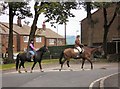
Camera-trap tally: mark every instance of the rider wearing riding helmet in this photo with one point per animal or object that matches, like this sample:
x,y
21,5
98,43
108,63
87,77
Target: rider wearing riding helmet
x,y
32,49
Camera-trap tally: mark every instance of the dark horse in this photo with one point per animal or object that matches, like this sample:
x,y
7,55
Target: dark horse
x,y
69,53
22,57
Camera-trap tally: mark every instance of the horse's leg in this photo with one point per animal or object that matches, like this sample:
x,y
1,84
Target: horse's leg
x,y
20,67
33,66
83,61
40,66
62,64
69,66
90,63
24,67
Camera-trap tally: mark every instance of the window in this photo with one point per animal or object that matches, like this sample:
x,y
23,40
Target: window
x,y
51,41
38,39
26,38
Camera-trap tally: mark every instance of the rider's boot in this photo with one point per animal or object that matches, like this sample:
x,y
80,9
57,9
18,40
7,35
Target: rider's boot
x,y
32,57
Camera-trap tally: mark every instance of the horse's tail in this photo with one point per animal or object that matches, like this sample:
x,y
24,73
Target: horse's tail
x,y
17,61
61,56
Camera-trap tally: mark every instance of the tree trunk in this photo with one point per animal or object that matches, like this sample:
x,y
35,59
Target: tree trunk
x,y
10,41
90,24
105,41
106,29
33,29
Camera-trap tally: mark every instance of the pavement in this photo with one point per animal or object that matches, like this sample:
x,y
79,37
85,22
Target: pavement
x,y
110,81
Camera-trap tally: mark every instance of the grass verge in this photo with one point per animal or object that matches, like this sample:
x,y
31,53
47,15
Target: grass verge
x,y
27,64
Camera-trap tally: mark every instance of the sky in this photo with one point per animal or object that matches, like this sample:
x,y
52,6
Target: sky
x,y
73,27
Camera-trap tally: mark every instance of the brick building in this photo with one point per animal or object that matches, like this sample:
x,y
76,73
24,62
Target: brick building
x,y
98,30
21,36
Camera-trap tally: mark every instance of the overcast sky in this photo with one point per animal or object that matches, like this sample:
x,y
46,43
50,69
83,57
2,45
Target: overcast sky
x,y
73,26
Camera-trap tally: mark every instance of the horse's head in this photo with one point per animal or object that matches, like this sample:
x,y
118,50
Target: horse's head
x,y
43,49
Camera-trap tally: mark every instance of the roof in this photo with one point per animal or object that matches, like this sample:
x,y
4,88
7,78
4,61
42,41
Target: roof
x,y
48,33
25,30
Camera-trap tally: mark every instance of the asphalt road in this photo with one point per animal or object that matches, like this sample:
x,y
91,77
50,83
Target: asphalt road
x,y
54,78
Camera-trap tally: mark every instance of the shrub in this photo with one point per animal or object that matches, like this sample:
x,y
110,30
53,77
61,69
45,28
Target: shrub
x,y
8,61
113,57
55,51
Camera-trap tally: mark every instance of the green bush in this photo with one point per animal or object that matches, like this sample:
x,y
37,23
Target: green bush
x,y
8,61
113,58
55,51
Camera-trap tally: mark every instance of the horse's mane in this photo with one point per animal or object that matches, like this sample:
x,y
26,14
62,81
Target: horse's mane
x,y
40,49
91,46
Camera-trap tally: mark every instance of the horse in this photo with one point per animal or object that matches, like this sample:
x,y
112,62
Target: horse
x,y
69,53
25,56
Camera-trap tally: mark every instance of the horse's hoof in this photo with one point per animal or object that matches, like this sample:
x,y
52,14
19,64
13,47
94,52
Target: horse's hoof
x,y
70,69
82,69
19,72
42,71
25,70
59,69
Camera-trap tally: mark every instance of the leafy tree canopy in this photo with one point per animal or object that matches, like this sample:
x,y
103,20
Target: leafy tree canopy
x,y
21,9
58,12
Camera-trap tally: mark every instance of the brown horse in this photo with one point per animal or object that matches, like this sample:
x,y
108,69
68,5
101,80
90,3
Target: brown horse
x,y
69,53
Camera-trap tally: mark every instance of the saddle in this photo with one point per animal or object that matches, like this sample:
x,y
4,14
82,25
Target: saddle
x,y
28,55
79,52
76,50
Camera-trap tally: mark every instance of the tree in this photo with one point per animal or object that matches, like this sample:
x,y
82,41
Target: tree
x,y
15,8
90,23
107,23
38,11
52,11
59,13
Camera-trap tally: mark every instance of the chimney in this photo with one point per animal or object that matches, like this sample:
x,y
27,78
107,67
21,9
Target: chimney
x,y
44,26
19,22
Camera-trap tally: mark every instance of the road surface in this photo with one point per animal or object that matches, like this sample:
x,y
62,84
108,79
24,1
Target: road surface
x,y
51,77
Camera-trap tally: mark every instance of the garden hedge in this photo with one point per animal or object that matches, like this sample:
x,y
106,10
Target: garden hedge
x,y
55,51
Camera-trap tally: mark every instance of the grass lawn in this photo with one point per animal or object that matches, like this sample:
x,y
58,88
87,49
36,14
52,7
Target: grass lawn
x,y
27,64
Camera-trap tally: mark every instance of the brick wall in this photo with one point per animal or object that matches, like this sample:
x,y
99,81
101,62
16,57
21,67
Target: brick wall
x,y
20,45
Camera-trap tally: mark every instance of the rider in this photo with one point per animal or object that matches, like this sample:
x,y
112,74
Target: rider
x,y
32,49
78,45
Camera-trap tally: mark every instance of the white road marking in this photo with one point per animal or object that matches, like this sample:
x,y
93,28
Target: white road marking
x,y
101,81
104,78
